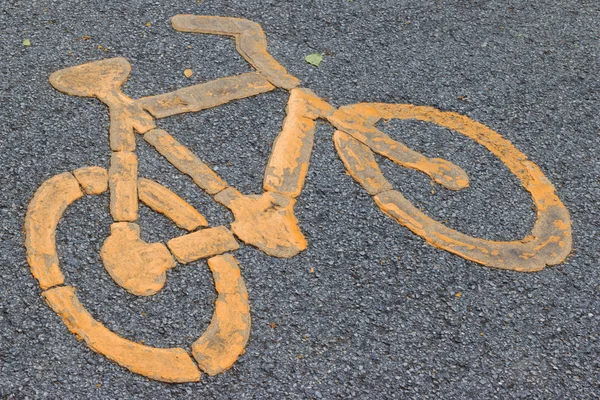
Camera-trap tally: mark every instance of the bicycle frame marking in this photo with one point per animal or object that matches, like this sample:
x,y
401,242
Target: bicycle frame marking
x,y
265,221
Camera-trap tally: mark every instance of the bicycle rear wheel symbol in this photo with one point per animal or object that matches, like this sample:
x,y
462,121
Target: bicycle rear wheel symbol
x,y
265,221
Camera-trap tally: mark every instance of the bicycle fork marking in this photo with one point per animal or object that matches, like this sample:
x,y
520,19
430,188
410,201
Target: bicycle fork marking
x,y
265,221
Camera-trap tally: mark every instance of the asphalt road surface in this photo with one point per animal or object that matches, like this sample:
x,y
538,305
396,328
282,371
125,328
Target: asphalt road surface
x,y
382,314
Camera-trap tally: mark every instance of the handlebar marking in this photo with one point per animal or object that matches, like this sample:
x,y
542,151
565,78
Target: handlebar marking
x,y
250,39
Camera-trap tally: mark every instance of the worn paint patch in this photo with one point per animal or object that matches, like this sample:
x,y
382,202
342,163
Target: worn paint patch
x,y
225,339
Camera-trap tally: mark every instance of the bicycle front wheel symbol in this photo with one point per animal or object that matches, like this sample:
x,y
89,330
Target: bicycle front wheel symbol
x,y
550,239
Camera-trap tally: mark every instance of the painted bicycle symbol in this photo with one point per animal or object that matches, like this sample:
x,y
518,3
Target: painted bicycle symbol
x,y
265,221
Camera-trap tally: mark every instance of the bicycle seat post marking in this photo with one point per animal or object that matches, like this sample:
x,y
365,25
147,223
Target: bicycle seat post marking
x,y
266,220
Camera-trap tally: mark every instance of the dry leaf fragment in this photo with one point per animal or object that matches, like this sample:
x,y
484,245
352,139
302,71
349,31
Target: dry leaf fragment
x,y
314,59
188,73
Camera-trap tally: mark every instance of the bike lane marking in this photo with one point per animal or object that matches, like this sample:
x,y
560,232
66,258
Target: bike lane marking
x,y
266,221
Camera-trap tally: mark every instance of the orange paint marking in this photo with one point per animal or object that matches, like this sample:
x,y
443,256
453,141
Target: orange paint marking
x,y
43,213
165,202
122,180
136,266
224,340
250,40
288,164
93,180
168,365
532,253
202,244
266,220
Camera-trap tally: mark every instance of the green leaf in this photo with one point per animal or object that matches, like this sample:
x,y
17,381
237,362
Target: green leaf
x,y
26,42
314,59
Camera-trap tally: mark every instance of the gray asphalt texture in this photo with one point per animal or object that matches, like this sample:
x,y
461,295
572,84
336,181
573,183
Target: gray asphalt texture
x,y
379,316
